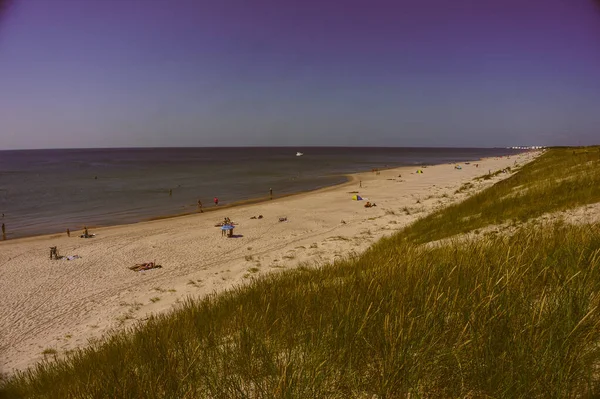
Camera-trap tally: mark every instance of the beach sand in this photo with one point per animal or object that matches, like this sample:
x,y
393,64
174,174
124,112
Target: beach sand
x,y
62,304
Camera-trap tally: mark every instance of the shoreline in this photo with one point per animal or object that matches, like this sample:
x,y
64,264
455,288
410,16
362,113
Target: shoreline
x,y
237,204
350,178
253,201
61,305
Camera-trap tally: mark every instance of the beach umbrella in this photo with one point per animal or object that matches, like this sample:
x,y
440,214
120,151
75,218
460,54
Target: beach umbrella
x,y
227,227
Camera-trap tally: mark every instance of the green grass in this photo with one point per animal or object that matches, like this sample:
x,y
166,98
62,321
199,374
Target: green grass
x,y
504,316
555,181
480,318
465,187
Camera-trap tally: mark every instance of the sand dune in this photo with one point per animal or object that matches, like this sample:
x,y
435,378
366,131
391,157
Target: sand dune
x,y
61,304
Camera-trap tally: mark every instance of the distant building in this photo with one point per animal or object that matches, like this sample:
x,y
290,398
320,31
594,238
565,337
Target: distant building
x,y
531,147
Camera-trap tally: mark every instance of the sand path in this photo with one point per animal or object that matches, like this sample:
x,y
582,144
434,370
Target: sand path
x,y
63,304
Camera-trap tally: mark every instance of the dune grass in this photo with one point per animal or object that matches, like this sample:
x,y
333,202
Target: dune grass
x,y
503,317
559,179
510,317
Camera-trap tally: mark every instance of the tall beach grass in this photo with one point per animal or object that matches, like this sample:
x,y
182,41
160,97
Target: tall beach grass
x,y
559,179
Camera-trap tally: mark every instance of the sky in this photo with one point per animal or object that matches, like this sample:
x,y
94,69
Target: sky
x,y
154,73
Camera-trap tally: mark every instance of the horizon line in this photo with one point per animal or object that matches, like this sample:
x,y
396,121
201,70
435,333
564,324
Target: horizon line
x,y
262,146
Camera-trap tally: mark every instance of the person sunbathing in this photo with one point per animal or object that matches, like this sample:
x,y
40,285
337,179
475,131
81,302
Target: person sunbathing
x,y
145,266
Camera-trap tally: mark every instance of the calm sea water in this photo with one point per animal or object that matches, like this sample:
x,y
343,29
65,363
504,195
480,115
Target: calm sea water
x,y
46,191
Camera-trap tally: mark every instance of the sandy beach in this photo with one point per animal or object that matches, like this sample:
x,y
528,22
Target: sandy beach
x,y
62,304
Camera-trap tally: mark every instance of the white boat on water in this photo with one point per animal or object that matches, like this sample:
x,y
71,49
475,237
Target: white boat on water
x,y
299,154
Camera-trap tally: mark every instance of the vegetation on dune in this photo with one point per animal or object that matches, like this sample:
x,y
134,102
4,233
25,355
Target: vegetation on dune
x,y
480,318
504,317
559,179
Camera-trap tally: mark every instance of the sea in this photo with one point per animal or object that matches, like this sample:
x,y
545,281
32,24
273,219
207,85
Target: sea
x,y
48,191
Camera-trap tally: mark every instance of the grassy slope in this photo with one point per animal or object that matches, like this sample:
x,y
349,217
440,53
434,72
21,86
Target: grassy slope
x,y
503,317
560,179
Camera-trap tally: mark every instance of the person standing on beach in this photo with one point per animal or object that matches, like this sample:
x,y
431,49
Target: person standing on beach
x,y
3,231
216,201
170,192
68,233
360,183
200,206
271,193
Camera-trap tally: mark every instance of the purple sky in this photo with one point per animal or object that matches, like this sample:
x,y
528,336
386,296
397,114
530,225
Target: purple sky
x,y
131,73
